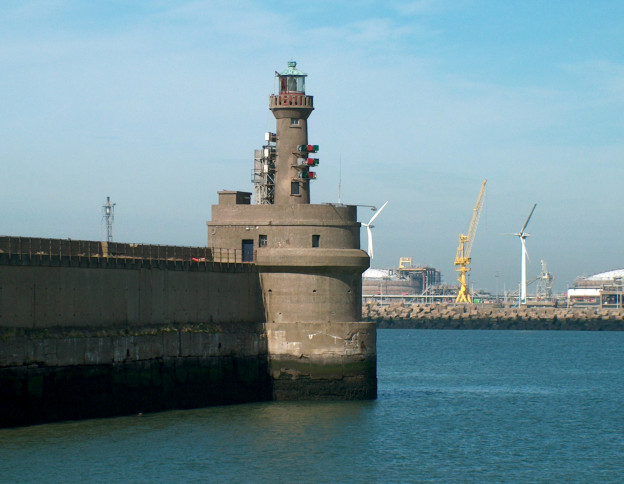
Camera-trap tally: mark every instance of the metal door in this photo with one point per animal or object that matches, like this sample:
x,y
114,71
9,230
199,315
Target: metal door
x,y
248,250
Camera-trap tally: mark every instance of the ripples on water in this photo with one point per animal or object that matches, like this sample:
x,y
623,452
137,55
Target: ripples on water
x,y
497,406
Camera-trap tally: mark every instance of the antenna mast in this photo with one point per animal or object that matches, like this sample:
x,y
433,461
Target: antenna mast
x,y
108,215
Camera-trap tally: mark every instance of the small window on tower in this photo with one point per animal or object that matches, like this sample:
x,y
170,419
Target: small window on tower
x,y
294,188
294,121
262,241
316,241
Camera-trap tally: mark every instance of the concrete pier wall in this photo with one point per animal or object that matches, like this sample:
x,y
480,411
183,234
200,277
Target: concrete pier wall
x,y
100,336
39,296
75,373
85,335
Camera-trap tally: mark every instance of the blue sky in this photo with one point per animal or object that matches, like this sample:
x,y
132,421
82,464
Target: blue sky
x,y
160,104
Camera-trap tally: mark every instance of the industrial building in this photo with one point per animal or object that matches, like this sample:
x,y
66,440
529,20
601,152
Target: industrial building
x,y
406,280
601,290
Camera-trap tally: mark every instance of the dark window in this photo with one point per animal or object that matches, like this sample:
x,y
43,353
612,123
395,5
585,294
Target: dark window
x,y
316,241
294,121
248,250
294,188
262,241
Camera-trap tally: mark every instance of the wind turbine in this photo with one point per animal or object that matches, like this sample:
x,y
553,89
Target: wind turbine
x,y
369,226
523,235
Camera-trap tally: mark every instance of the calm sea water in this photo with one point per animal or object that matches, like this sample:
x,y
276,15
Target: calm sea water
x,y
470,406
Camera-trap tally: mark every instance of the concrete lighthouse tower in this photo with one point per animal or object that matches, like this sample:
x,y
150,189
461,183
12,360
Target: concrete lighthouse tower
x,y
291,108
308,262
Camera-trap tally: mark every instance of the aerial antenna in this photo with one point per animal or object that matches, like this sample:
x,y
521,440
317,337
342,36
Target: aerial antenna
x,y
108,215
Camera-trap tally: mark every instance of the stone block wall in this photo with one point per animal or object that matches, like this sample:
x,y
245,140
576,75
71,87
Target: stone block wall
x,y
488,316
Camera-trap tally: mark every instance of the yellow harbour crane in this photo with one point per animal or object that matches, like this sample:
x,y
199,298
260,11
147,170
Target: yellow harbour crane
x,y
462,260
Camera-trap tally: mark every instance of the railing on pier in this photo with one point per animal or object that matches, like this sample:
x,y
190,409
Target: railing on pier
x,y
32,247
385,299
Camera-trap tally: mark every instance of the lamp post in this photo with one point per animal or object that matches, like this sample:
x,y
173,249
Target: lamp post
x,y
496,276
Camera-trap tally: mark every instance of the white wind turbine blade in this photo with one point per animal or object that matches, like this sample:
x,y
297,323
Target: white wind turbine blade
x,y
377,213
527,220
526,252
369,231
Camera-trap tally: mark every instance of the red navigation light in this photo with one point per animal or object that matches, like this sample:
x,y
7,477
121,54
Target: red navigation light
x,y
308,148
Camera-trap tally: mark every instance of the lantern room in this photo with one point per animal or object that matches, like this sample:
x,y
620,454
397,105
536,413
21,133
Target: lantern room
x,y
292,80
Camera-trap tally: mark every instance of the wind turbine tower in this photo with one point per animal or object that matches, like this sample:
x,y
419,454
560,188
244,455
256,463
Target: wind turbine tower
x,y
523,235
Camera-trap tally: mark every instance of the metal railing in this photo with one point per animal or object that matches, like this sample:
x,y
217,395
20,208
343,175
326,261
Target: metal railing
x,y
68,248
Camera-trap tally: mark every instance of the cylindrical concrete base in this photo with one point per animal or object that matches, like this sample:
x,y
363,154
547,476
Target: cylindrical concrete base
x,y
322,361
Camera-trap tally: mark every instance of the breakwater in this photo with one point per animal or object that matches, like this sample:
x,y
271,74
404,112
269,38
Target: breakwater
x,y
96,330
488,316
89,330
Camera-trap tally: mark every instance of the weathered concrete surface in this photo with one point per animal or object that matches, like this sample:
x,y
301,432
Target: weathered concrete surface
x,y
285,108
322,360
35,296
115,339
483,316
285,226
312,295
61,374
318,349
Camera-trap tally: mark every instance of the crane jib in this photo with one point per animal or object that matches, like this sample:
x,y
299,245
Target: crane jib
x,y
462,260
